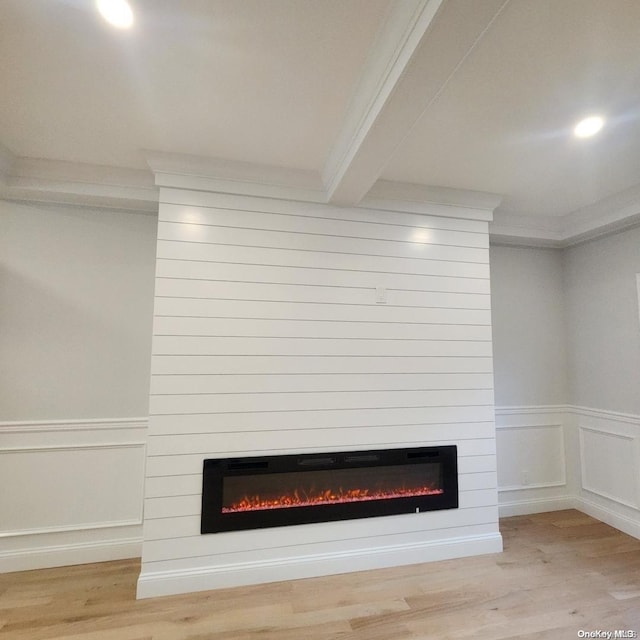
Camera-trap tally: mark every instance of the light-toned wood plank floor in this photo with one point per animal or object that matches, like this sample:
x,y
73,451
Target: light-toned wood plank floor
x,y
561,572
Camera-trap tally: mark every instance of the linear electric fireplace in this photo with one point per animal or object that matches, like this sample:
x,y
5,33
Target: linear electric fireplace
x,y
272,491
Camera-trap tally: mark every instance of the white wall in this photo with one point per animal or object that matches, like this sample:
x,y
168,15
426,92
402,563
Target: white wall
x,y
71,391
527,310
268,339
603,340
603,334
530,364
574,445
76,293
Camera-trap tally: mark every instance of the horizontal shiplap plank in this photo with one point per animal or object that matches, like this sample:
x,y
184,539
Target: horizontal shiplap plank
x,y
242,384
315,364
293,256
272,328
171,527
412,422
486,526
318,276
218,217
291,310
477,464
197,202
304,401
215,290
479,480
177,444
422,526
244,346
247,238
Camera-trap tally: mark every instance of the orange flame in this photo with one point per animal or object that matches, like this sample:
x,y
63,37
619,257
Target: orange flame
x,y
329,496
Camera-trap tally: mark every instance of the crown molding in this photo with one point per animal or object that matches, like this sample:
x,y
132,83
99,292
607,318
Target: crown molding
x,y
56,181
525,230
228,176
216,175
79,184
609,215
437,201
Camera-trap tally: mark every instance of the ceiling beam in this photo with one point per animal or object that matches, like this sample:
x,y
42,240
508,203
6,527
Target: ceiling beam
x,y
410,64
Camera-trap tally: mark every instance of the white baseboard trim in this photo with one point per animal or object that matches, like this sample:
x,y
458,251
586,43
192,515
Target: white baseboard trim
x,y
163,583
627,525
537,505
69,554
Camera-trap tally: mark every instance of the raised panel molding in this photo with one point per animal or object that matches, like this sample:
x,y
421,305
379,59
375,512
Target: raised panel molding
x,y
71,534
613,473
522,429
72,544
599,496
551,494
581,490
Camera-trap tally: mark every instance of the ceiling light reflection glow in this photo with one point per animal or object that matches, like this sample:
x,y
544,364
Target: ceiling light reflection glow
x,y
116,12
588,127
421,235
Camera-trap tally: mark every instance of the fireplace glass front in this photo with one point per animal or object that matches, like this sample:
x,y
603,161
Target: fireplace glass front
x,y
258,492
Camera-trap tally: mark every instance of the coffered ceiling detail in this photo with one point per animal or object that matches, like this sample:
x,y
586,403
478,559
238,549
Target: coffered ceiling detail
x,y
339,101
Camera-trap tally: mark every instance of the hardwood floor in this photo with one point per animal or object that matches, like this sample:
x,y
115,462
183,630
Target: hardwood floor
x,y
560,573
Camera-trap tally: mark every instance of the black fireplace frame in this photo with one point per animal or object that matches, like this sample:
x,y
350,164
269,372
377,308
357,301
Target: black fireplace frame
x,y
213,520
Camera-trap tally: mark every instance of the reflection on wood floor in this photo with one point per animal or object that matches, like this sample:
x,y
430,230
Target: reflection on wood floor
x,y
560,573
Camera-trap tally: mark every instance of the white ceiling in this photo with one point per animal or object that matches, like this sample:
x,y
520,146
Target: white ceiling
x,y
473,95
503,123
258,80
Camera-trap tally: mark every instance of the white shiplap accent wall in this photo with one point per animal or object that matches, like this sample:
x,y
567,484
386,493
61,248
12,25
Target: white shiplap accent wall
x,y
268,339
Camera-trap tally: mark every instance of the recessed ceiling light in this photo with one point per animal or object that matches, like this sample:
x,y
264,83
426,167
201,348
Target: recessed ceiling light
x,y
588,127
116,12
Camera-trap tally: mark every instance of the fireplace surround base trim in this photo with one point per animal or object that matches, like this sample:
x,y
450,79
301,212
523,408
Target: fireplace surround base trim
x,y
162,583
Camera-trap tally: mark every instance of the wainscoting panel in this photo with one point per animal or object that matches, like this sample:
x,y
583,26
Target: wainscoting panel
x,y
607,446
532,474
73,491
609,465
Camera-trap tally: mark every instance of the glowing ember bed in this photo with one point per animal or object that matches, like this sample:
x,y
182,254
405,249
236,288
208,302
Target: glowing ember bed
x,y
271,491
